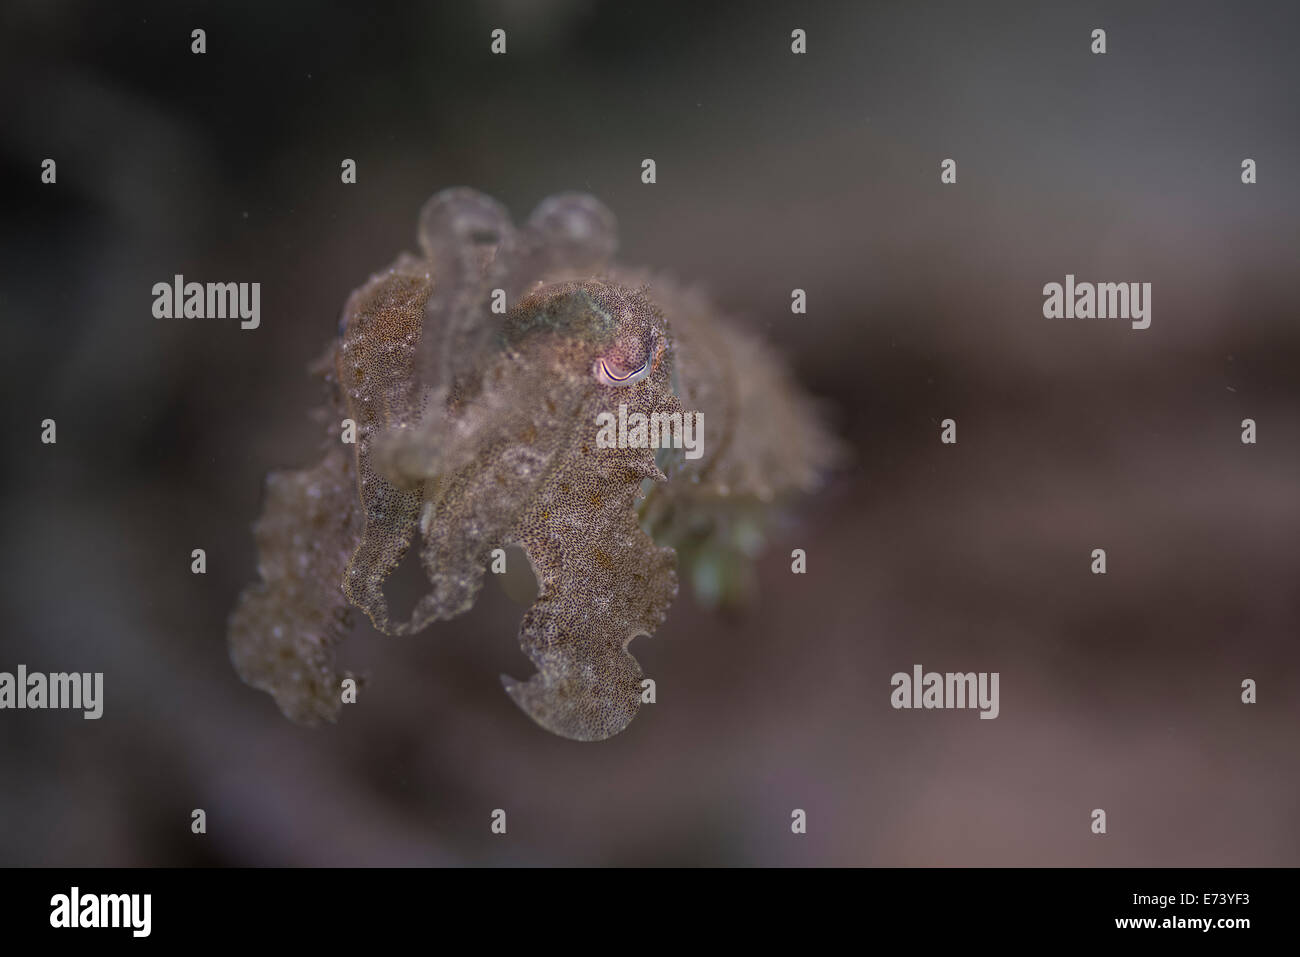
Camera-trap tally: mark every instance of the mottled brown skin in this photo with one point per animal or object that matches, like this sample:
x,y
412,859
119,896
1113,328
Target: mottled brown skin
x,y
374,362
479,431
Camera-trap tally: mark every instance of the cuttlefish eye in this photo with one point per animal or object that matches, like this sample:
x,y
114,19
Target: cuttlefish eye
x,y
614,370
609,373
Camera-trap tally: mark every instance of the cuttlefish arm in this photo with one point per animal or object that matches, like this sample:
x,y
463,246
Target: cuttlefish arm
x,y
601,582
285,630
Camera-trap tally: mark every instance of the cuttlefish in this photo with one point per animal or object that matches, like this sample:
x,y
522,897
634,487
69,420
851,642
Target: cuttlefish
x,y
466,387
